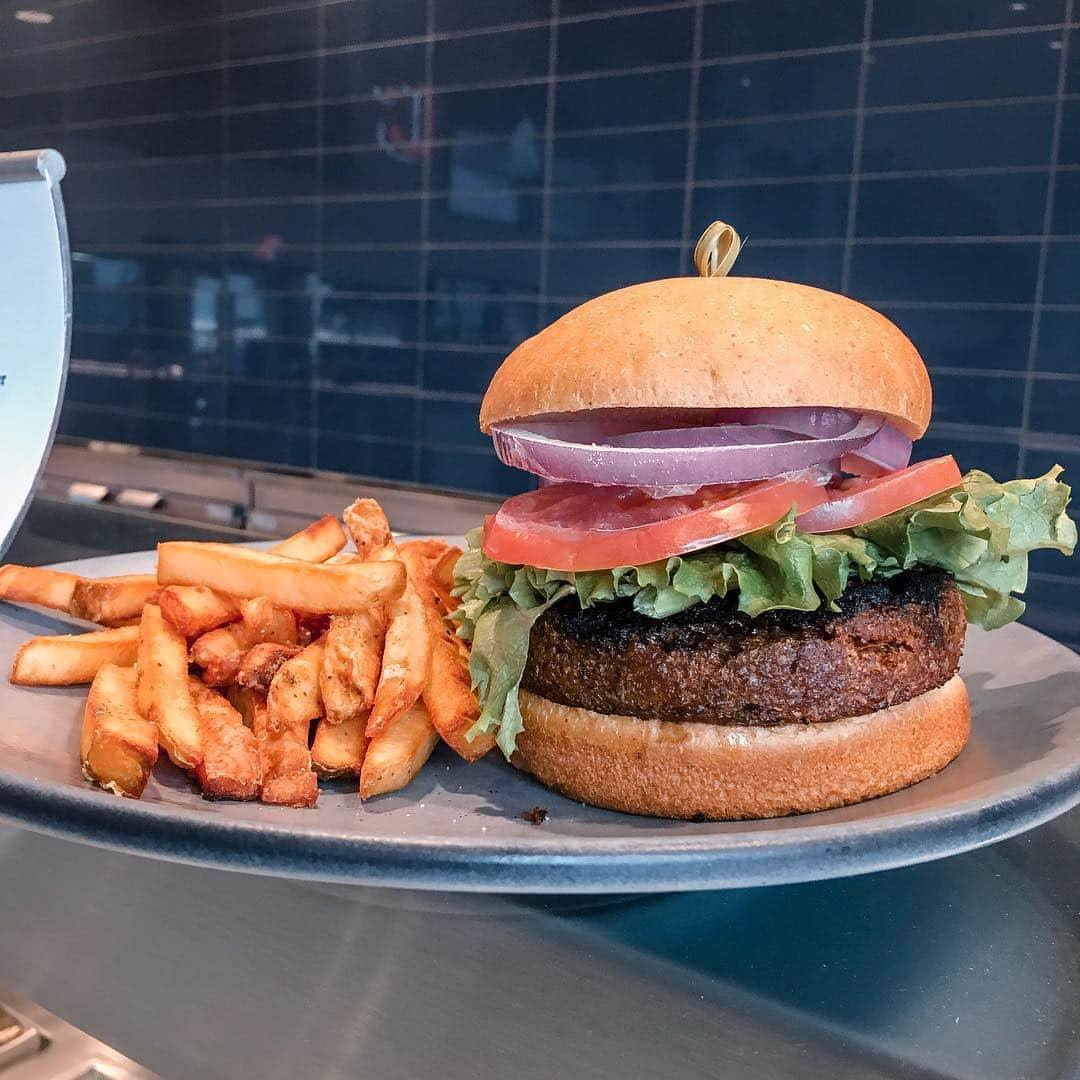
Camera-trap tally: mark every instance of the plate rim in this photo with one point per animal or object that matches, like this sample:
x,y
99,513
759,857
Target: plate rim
x,y
539,864
678,864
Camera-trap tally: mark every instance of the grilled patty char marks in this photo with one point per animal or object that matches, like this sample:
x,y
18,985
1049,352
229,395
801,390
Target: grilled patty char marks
x,y
891,641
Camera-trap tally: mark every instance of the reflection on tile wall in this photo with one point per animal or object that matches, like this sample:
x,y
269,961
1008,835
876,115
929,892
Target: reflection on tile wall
x,y
307,233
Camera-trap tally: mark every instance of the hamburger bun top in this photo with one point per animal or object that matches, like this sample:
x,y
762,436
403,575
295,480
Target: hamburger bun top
x,y
711,343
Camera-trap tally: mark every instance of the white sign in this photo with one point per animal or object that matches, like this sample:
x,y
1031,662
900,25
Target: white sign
x,y
35,323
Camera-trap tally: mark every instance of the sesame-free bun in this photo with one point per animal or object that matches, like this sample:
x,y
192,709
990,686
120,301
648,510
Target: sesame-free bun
x,y
717,771
711,343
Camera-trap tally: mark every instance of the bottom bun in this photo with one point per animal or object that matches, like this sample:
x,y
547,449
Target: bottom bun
x,y
722,772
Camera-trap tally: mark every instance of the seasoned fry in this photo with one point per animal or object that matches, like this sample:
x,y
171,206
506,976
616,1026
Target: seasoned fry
x,y
73,658
245,701
230,768
267,621
288,779
119,746
299,585
291,705
442,578
367,526
34,585
294,693
164,692
338,749
405,662
395,756
318,542
112,601
433,561
448,694
350,673
195,610
221,652
424,552
258,668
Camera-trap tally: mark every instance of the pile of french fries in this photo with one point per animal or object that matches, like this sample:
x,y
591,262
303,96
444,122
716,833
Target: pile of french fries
x,y
258,672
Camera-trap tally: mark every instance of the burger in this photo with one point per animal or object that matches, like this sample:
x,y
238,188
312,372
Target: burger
x,y
732,595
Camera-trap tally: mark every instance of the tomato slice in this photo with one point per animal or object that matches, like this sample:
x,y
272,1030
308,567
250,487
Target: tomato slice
x,y
582,527
857,501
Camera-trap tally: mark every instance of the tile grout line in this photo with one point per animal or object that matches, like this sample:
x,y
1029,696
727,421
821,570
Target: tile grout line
x,y
406,40
857,148
572,76
530,298
359,195
1044,243
549,164
227,309
424,253
510,84
315,352
692,134
101,247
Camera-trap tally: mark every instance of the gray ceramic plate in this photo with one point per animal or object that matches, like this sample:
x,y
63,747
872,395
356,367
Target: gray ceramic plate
x,y
459,826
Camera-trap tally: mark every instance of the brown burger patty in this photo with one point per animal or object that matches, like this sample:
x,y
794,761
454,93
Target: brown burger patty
x,y
891,641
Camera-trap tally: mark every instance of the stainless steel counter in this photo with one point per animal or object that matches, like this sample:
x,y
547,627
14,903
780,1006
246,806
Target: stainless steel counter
x,y
968,967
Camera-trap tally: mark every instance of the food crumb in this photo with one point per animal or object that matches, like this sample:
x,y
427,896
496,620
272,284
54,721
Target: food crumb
x,y
536,816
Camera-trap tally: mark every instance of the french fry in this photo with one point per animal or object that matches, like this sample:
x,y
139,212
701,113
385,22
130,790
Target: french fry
x,y
245,701
35,585
315,587
196,610
338,749
448,694
397,754
367,526
350,672
288,779
221,652
267,621
442,578
317,543
282,731
294,693
434,562
230,767
164,694
112,601
73,658
118,746
405,662
426,552
258,668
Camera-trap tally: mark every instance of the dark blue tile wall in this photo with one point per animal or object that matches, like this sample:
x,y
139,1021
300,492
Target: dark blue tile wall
x,y
307,233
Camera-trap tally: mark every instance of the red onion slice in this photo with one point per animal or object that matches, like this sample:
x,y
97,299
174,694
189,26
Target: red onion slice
x,y
678,459
888,451
715,435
